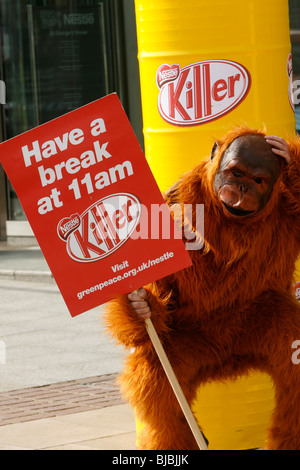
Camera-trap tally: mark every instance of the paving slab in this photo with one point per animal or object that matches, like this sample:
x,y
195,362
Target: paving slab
x,y
103,429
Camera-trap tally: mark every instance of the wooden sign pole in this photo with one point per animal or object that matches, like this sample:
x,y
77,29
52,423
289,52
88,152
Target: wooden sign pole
x,y
175,385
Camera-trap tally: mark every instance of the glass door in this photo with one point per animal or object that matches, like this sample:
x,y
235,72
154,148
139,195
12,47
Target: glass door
x,y
57,55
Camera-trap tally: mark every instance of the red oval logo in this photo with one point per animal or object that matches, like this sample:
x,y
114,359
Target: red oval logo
x,y
104,227
201,92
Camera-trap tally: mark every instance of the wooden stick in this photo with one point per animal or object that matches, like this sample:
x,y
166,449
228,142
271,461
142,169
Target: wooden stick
x,y
175,385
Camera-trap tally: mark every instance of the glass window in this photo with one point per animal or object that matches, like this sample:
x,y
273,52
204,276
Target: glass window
x,y
294,7
56,57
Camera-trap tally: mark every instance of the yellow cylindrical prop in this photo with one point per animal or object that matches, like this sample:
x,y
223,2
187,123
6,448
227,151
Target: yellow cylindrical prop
x,y
233,416
206,67
297,274
215,35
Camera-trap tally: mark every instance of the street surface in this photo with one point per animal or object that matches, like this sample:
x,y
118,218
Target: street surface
x,y
43,344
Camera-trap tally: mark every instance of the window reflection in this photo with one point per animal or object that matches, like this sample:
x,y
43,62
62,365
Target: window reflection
x,y
56,57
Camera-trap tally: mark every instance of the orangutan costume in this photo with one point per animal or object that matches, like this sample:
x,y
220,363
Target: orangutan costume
x,y
234,310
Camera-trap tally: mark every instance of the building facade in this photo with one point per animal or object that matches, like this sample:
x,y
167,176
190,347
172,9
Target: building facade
x,y
55,56
58,55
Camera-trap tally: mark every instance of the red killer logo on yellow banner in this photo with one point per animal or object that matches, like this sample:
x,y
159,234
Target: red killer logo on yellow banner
x,y
89,195
200,92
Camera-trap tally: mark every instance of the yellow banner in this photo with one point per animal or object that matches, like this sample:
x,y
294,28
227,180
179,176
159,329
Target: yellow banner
x,y
206,66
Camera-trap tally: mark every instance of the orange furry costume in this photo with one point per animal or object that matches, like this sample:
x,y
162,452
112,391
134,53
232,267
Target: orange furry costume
x,y
231,312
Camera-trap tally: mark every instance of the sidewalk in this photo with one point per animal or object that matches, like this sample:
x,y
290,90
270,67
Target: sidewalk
x,y
81,414
23,263
87,414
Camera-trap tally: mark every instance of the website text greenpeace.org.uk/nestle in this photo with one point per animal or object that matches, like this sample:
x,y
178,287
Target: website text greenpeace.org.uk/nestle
x,y
131,272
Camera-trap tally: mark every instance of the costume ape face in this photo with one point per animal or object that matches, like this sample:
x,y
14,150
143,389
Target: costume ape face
x,y
234,309
246,176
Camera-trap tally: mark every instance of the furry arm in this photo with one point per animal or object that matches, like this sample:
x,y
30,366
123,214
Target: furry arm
x,y
124,325
291,173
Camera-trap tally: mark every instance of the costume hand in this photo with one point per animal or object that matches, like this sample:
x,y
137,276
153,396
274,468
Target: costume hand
x,y
279,147
138,300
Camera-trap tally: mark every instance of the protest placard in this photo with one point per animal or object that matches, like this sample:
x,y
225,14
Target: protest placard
x,y
93,204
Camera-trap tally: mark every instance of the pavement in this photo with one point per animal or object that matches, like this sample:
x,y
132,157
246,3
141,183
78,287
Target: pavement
x,y
68,410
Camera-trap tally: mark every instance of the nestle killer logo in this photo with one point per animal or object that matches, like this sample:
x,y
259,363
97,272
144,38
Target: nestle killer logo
x,y
200,92
2,92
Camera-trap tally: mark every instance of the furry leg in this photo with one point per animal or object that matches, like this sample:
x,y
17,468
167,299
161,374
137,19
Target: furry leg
x,y
146,386
275,327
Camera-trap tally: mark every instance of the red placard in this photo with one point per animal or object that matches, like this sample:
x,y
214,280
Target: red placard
x,y
93,204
